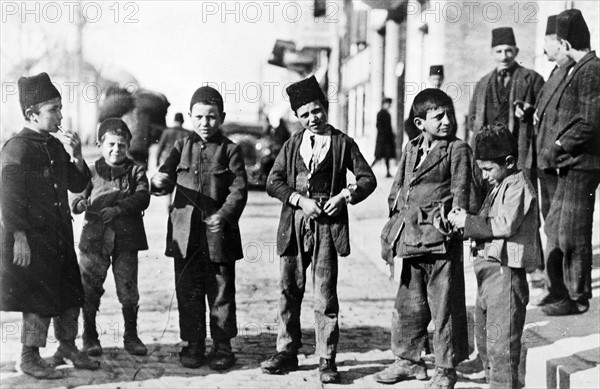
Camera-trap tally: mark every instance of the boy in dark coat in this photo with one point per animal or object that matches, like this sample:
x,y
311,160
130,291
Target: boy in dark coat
x,y
203,233
435,174
39,274
505,236
113,203
309,178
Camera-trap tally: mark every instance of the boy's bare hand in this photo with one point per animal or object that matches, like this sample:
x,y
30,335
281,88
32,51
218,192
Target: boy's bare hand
x,y
457,217
214,222
21,250
310,207
72,140
108,214
334,205
160,180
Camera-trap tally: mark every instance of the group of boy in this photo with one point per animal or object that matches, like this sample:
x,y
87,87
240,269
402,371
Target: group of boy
x,y
434,203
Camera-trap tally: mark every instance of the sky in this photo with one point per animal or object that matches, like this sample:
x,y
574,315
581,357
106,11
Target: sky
x,y
169,46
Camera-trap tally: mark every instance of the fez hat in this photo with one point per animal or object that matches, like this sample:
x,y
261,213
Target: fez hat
x,y
494,142
503,36
436,69
112,124
207,94
551,25
179,117
571,26
36,89
304,92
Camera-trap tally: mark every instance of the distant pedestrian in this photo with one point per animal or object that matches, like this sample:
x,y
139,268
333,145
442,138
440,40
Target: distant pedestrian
x,y
207,171
113,233
309,178
436,76
168,138
504,232
434,175
39,274
385,146
576,152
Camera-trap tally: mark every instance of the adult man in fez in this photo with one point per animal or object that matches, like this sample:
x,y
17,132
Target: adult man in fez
x,y
576,152
507,95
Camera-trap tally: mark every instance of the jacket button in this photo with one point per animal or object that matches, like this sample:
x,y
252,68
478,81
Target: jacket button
x,y
55,186
196,172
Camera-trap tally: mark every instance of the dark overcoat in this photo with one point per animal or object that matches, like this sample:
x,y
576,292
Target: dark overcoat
x,y
385,144
211,179
282,180
37,172
579,116
547,116
525,87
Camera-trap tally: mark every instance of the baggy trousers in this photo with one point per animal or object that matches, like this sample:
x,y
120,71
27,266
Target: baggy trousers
x,y
323,257
432,287
569,231
502,297
35,327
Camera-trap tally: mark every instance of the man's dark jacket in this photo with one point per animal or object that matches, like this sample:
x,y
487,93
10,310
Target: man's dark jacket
x,y
282,180
37,172
525,86
579,116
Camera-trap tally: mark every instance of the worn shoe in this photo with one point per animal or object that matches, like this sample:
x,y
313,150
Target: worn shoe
x,y
328,373
561,308
68,351
443,378
92,347
221,356
192,355
32,364
545,300
280,363
400,370
471,367
583,305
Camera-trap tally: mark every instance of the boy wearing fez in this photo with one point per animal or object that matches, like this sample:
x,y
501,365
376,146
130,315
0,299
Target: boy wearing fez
x,y
113,203
434,175
504,233
39,274
203,233
309,178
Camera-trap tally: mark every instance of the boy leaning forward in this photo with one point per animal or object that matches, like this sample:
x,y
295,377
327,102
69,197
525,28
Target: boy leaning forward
x,y
309,178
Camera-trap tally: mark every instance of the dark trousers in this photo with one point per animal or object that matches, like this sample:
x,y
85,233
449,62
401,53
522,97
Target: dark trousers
x,y
502,297
198,280
94,269
322,255
35,327
569,231
548,182
432,287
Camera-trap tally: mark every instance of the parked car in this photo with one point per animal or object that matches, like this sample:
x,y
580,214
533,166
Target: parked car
x,y
257,150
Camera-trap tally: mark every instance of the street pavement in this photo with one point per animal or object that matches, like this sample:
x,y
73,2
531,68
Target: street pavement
x,y
366,298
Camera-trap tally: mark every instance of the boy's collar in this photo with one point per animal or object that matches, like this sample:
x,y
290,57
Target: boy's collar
x,y
216,138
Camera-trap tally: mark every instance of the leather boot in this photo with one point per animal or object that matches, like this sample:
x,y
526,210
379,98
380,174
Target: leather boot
x,y
91,344
68,351
133,344
32,364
